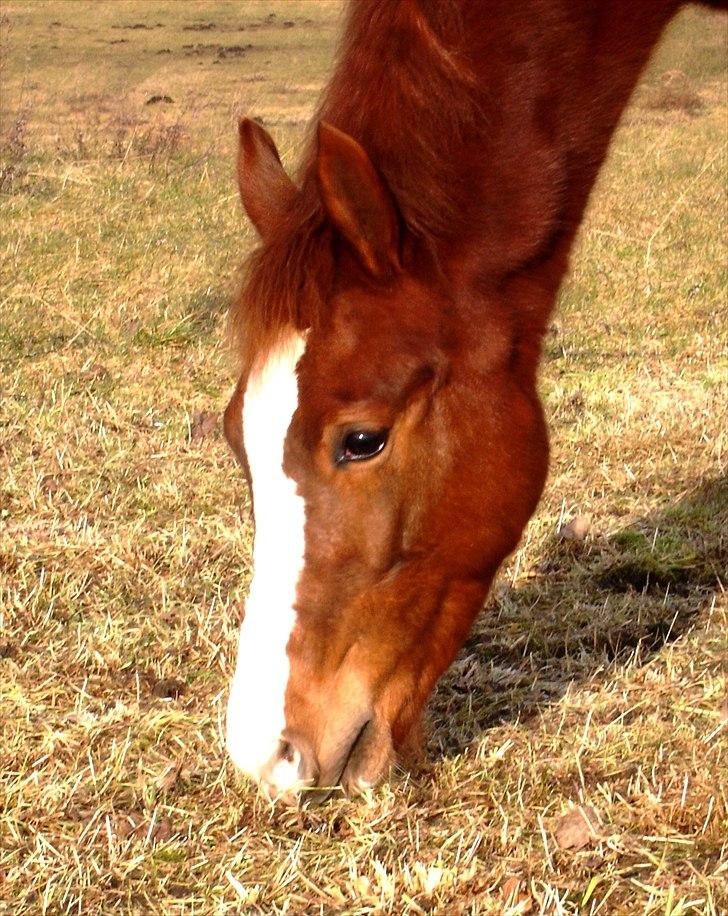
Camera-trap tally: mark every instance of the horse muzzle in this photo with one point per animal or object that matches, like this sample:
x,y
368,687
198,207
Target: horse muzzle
x,y
293,773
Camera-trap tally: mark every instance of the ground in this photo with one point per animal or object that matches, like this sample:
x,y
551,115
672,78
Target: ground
x,y
595,681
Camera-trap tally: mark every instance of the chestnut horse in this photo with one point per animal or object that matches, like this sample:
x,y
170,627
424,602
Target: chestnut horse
x,y
389,329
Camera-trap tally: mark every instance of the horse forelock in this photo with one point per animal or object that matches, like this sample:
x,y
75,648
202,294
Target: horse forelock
x,y
286,283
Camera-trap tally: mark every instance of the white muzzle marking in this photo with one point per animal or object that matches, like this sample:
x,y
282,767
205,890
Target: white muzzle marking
x,y
256,716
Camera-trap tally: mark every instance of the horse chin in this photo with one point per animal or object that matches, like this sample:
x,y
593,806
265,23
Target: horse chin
x,y
370,758
362,766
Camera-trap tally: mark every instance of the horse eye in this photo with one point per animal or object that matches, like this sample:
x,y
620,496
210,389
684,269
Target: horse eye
x,y
360,444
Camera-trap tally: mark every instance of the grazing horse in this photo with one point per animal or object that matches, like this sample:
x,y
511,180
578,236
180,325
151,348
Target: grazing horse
x,y
389,330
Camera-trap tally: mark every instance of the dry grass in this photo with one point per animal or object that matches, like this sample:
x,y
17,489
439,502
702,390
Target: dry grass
x,y
596,677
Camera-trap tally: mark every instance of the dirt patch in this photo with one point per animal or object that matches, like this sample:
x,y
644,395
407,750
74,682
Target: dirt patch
x,y
271,22
203,425
674,92
220,51
168,689
140,26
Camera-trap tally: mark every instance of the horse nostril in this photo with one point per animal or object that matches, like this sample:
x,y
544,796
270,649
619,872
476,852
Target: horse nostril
x,y
294,762
291,768
288,753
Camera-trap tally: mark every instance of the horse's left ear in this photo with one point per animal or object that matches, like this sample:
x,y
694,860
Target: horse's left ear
x,y
265,188
357,201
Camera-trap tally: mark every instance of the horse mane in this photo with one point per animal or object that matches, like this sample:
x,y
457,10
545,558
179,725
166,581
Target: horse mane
x,y
405,89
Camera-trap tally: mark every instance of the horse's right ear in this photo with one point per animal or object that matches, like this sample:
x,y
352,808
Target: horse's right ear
x,y
357,201
265,188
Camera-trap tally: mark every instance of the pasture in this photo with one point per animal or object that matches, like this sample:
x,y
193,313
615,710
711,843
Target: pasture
x,y
577,749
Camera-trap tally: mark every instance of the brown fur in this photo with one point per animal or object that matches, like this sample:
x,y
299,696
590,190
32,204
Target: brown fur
x,y
473,130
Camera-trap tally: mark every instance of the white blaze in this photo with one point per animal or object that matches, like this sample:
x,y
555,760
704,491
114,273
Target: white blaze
x,y
256,716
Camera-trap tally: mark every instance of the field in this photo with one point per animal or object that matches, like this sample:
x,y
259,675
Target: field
x,y
596,679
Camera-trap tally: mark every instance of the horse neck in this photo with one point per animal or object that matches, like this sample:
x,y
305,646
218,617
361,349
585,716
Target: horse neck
x,y
490,121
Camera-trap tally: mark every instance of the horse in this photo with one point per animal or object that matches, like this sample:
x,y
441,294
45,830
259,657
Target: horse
x,y
389,331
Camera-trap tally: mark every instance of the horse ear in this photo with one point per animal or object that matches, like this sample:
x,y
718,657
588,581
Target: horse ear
x,y
265,188
357,201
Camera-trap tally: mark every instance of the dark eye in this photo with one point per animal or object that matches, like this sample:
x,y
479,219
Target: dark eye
x,y
360,444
